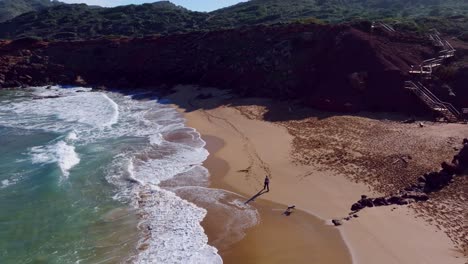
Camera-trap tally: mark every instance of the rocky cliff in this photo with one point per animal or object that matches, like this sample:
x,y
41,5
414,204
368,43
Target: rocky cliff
x,y
342,68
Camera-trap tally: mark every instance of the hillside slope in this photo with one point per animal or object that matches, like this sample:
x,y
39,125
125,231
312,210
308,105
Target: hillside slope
x,y
84,22
12,8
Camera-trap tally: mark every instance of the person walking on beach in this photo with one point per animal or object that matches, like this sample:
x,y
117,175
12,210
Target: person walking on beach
x,y
267,184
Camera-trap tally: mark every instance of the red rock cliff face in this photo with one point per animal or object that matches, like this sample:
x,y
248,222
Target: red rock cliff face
x,y
329,67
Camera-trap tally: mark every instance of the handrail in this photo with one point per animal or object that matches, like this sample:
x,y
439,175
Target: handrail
x,y
429,60
437,100
435,31
425,67
421,90
447,52
438,41
449,45
429,63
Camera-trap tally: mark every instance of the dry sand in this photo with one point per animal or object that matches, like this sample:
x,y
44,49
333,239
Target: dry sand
x,y
322,169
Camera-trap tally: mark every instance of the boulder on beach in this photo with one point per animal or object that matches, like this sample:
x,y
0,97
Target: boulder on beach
x,y
357,207
381,201
337,222
436,180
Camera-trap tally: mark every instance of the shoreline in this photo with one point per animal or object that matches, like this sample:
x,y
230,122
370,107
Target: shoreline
x,y
271,217
266,147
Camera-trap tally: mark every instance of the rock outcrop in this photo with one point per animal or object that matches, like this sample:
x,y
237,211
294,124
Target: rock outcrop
x,y
339,68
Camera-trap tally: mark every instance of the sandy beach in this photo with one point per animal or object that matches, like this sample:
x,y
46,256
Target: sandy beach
x,y
322,182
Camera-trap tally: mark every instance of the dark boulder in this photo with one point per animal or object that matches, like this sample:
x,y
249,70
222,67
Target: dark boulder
x,y
357,207
437,180
337,222
396,199
367,202
381,201
449,168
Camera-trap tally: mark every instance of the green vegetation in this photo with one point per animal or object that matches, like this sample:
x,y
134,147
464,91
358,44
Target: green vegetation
x,y
449,16
81,21
12,8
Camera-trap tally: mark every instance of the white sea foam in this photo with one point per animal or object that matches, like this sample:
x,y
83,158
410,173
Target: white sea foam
x,y
166,161
236,215
72,136
130,172
67,158
177,236
94,109
14,179
56,91
114,116
61,153
84,112
5,183
156,139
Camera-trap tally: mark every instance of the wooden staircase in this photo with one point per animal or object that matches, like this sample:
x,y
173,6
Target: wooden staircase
x,y
447,51
447,110
425,68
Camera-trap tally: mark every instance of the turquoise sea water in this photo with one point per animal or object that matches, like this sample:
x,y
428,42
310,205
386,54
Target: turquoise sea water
x,y
45,218
80,175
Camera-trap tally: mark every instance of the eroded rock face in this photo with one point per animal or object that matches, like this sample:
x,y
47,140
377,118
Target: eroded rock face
x,y
338,68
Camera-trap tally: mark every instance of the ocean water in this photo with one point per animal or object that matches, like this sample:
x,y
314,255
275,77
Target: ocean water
x,y
98,177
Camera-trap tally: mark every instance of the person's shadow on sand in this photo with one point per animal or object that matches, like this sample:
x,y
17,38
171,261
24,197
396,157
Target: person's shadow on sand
x,y
261,192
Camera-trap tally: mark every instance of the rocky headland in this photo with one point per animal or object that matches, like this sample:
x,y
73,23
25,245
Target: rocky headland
x,y
331,67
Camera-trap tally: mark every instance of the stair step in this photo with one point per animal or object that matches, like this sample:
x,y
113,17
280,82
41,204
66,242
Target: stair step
x,y
432,102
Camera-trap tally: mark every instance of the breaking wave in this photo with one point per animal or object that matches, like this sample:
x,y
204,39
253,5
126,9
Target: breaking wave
x,y
61,153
